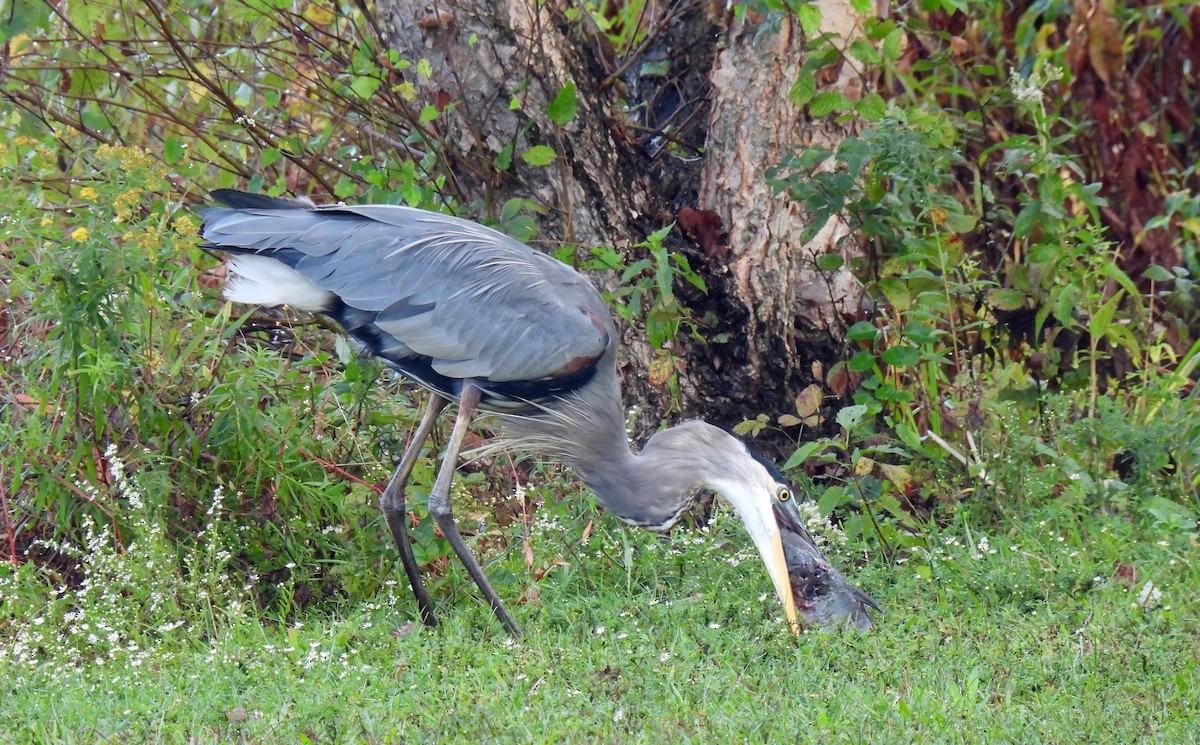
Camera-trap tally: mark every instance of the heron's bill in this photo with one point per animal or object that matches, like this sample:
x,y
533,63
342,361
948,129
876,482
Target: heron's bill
x,y
754,506
777,568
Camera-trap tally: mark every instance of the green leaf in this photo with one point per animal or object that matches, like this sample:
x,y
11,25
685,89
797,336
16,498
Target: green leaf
x,y
1156,273
539,155
861,362
1064,305
1112,271
862,7
902,356
503,159
511,209
18,17
269,156
344,188
1171,513
172,150
562,109
829,262
83,15
1006,299
1120,336
810,19
88,82
1023,225
896,291
862,331
865,52
961,223
803,453
919,333
365,86
909,436
1103,317
804,88
827,103
872,107
655,69
851,416
892,45
834,497
428,114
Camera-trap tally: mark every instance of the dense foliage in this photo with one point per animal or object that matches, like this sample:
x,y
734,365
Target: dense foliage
x,y
1030,355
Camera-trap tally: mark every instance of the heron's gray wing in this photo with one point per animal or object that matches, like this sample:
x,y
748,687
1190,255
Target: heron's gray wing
x,y
474,301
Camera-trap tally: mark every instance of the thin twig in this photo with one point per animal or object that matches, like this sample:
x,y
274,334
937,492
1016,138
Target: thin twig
x,y
953,451
8,529
330,466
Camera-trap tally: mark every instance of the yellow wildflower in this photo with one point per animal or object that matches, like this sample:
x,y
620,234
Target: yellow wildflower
x,y
185,226
125,204
88,193
79,234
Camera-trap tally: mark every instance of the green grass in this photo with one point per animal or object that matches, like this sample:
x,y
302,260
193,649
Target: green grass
x,y
1041,641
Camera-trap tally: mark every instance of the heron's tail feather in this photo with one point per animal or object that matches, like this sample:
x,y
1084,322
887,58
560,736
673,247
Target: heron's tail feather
x,y
259,271
257,279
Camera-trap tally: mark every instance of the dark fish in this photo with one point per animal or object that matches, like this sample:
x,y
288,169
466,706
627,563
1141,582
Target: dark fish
x,y
823,596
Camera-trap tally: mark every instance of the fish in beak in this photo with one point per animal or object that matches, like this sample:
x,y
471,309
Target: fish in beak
x,y
823,596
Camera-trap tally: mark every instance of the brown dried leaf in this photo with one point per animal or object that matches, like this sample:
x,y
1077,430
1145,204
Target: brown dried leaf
x,y
839,379
704,226
661,369
1105,48
809,401
864,466
1125,574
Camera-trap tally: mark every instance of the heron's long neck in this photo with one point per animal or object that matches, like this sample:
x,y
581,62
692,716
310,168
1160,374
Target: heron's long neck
x,y
587,433
634,487
637,490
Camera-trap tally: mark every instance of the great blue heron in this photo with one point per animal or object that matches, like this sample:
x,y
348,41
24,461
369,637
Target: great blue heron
x,y
477,317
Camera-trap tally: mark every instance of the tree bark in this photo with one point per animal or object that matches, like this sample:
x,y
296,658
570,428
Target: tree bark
x,y
792,316
622,172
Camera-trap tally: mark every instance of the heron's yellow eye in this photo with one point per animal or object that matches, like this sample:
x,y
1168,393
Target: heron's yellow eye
x,y
783,494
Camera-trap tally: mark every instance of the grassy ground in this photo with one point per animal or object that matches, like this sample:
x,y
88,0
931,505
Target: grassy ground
x,y
1035,635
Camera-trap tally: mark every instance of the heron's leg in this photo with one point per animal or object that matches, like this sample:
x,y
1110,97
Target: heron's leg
x,y
392,504
443,515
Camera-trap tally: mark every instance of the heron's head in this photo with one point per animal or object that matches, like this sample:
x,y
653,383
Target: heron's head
x,y
714,459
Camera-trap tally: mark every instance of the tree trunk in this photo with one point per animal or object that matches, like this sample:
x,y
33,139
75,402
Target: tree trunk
x,y
791,316
621,172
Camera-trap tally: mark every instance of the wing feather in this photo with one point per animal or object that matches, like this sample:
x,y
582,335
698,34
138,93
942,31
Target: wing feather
x,y
476,302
